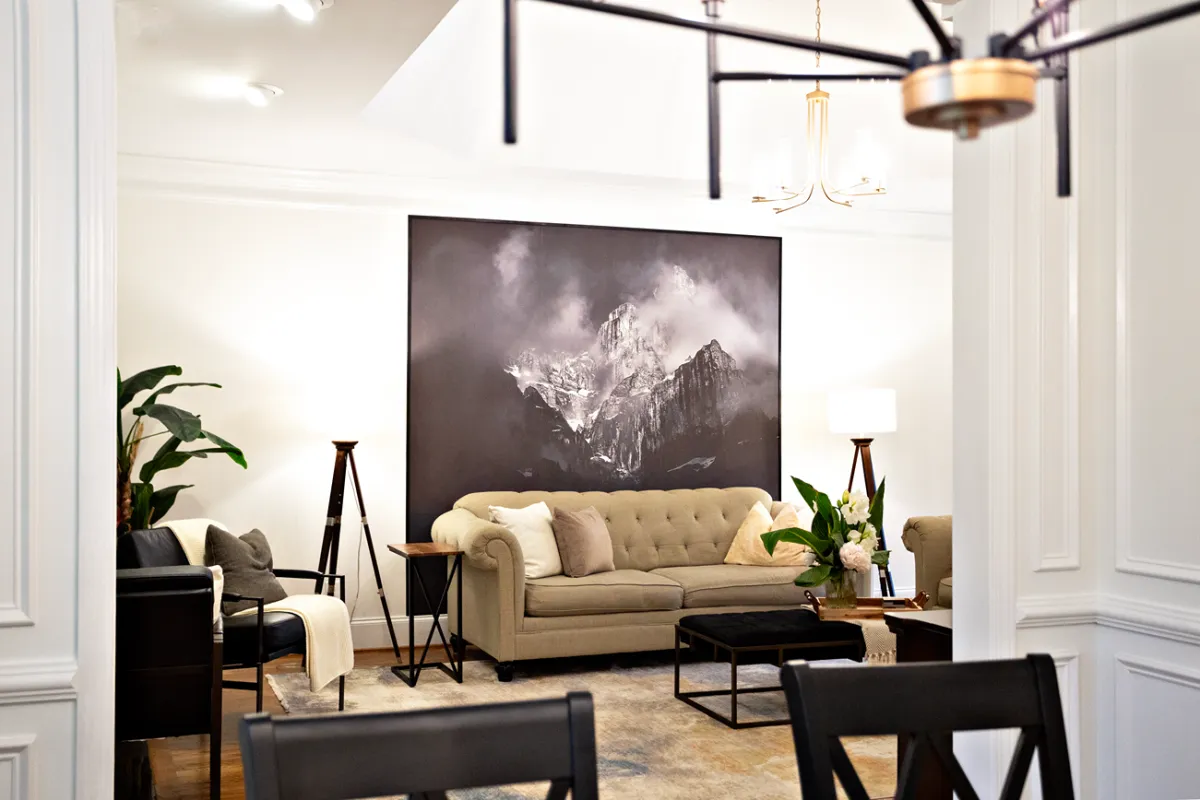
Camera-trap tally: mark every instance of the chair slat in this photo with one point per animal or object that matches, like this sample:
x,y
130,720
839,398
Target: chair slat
x,y
908,775
851,784
962,784
1018,768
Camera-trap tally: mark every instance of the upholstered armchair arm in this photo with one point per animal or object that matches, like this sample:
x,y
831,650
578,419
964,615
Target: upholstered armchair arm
x,y
493,580
474,536
929,539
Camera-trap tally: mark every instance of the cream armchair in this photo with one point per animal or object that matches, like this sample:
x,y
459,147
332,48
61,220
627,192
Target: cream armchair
x,y
928,538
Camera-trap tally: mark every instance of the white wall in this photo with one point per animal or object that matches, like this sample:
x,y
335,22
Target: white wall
x,y
1075,406
57,356
294,299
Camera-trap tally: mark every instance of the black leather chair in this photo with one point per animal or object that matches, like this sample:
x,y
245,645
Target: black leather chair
x,y
251,640
924,704
168,661
423,753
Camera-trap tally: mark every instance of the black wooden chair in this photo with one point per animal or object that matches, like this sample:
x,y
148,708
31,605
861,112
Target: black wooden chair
x,y
924,704
251,640
423,753
168,661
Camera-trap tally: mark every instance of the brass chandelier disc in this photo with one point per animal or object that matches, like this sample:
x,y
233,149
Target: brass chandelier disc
x,y
968,95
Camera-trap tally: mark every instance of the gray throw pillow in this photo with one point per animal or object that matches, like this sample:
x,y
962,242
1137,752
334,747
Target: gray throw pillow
x,y
583,542
246,562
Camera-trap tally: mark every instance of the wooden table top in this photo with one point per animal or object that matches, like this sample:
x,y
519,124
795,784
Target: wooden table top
x,y
423,550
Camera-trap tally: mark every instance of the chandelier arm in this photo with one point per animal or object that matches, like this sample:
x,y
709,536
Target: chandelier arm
x,y
510,71
1084,39
738,32
849,190
791,195
808,76
810,187
1059,71
949,50
825,191
1033,24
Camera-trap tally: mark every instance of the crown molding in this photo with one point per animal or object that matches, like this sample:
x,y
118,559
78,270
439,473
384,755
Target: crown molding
x,y
227,182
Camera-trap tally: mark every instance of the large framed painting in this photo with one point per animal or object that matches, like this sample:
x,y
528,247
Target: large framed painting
x,y
571,357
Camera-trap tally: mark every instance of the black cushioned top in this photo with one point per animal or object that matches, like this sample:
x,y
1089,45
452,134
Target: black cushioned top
x,y
281,631
771,628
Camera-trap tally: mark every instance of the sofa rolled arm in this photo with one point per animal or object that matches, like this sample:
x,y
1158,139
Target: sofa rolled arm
x,y
474,536
929,539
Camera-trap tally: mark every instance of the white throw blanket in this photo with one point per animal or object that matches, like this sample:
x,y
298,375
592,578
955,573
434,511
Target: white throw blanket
x,y
329,648
327,628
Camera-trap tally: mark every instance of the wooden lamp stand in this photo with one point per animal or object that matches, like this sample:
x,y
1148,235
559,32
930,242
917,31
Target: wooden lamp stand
x,y
862,451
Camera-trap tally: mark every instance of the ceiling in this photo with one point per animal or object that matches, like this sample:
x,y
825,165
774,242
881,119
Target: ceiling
x,y
406,87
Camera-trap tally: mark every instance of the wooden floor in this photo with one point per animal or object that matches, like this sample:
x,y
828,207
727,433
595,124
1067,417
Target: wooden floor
x,y
181,764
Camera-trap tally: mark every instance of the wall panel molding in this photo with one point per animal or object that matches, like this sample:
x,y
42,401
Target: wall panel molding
x,y
14,766
16,339
1128,667
1159,620
1127,560
37,681
1067,665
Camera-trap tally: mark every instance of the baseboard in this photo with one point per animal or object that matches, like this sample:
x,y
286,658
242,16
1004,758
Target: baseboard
x,y
371,633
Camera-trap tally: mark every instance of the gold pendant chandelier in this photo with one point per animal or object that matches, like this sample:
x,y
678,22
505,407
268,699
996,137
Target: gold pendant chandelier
x,y
818,157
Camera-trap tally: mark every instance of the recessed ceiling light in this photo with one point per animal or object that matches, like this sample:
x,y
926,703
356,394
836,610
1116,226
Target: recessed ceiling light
x,y
260,94
305,10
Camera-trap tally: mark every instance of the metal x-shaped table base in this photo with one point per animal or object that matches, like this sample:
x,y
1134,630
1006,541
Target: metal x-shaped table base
x,y
411,673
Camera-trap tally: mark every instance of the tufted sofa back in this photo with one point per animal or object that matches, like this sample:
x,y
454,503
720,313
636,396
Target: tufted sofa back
x,y
649,529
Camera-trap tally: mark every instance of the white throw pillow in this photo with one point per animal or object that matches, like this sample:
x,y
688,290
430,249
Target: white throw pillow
x,y
747,547
532,527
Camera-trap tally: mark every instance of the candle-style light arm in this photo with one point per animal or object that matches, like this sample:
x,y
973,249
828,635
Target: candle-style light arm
x,y
721,77
1076,41
1032,25
950,49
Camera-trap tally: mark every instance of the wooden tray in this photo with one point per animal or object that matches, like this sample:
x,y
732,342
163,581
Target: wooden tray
x,y
868,607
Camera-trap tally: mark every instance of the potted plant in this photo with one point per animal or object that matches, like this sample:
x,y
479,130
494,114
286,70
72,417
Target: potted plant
x,y
844,538
139,504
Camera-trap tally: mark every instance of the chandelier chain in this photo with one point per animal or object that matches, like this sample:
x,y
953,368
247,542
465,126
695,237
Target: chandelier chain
x,y
818,31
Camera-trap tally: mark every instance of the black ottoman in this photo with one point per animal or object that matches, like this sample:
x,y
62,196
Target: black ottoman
x,y
781,635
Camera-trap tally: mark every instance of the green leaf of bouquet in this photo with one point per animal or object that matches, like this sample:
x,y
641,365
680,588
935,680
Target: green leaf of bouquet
x,y
880,557
876,510
824,507
814,576
820,528
796,536
807,492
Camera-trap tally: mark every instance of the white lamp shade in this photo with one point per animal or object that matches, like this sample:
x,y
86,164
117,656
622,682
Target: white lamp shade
x,y
861,412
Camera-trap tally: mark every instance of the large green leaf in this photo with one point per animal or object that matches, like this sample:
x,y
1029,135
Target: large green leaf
x,y
771,539
234,451
140,494
183,424
807,492
876,510
820,528
824,507
146,379
170,387
839,539
167,461
162,500
814,576
880,557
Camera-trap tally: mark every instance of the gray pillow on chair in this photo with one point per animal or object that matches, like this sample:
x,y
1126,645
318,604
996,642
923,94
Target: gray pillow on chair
x,y
246,562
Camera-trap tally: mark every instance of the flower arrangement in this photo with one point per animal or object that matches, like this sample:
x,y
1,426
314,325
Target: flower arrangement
x,y
844,538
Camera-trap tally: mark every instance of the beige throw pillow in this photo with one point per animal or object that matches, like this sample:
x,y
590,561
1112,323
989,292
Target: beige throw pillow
x,y
583,542
531,527
748,547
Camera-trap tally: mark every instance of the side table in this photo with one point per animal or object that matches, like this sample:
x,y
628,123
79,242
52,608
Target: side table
x,y
925,636
411,553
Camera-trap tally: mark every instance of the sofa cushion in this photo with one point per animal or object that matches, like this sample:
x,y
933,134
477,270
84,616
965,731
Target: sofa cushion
x,y
583,542
649,529
736,585
601,593
945,597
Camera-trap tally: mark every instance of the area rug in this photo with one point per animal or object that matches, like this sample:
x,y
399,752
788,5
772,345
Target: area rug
x,y
649,744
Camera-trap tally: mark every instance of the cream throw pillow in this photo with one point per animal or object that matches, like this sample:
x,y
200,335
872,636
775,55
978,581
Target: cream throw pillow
x,y
531,526
748,548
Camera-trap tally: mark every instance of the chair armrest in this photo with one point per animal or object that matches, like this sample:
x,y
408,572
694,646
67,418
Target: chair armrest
x,y
929,539
144,580
462,529
315,575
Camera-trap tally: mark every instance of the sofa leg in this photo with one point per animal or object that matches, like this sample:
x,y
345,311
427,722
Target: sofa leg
x,y
504,671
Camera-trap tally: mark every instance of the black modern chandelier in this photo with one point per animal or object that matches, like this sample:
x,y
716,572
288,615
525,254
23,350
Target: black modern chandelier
x,y
954,93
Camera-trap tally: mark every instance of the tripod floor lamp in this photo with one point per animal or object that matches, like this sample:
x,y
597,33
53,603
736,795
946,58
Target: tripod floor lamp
x,y
862,413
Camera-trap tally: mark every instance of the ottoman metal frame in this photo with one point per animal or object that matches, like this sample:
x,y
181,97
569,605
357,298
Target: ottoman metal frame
x,y
732,692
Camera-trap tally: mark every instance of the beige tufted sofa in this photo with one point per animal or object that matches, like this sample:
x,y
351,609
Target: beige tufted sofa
x,y
929,539
668,549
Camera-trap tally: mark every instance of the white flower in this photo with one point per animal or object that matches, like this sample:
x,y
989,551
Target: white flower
x,y
857,509
855,535
870,530
855,558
